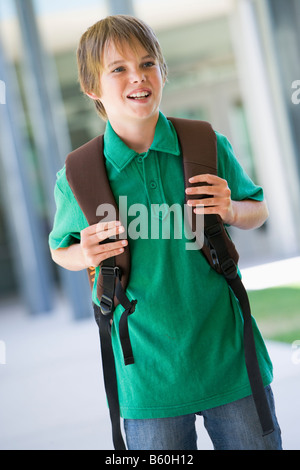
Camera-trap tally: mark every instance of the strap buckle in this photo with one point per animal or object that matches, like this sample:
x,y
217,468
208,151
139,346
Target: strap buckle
x,y
107,302
111,271
229,269
106,305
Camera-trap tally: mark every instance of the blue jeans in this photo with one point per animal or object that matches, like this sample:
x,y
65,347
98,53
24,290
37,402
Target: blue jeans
x,y
234,426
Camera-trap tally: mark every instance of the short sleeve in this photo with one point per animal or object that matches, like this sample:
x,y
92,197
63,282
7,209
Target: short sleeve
x,y
241,185
69,219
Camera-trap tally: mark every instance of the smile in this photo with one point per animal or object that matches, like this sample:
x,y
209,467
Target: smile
x,y
139,95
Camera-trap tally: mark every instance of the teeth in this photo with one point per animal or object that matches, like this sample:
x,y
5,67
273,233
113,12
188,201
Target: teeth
x,y
141,94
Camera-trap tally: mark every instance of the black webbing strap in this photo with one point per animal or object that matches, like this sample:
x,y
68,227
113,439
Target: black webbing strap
x,y
255,379
112,287
129,307
213,236
109,375
110,274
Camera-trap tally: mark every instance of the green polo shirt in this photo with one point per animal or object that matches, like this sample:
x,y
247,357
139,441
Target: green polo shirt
x,y
187,329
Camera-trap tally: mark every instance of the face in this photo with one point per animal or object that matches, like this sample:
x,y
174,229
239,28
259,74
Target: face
x,y
131,84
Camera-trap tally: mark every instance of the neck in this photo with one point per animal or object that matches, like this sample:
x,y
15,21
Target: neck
x,y
139,135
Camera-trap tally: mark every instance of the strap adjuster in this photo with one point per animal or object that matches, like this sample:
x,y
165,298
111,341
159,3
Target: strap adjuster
x,y
110,271
229,269
213,230
106,305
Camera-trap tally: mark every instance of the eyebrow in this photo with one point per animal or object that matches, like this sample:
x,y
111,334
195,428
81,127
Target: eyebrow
x,y
122,60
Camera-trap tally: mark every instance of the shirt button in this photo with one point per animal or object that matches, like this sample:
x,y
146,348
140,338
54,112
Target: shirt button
x,y
140,159
153,185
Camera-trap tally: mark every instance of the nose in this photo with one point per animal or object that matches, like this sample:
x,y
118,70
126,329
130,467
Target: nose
x,y
137,76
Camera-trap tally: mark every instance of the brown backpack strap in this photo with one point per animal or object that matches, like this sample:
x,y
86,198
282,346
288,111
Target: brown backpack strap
x,y
88,180
199,148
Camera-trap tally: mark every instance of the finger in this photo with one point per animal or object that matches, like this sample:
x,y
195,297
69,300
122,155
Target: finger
x,y
209,202
206,178
106,252
110,232
201,190
92,241
106,247
110,254
95,228
221,190
212,201
102,226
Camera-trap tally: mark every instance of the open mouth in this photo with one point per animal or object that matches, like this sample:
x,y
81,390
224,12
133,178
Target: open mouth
x,y
139,96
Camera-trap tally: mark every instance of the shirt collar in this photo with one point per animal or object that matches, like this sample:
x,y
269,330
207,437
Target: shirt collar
x,y
116,151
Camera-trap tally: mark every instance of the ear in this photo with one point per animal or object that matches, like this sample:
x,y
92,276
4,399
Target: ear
x,y
92,96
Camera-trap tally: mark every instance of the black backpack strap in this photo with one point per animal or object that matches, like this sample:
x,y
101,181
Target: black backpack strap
x,y
226,264
110,272
255,379
109,376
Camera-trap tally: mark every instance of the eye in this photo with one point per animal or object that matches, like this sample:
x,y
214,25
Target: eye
x,y
118,69
149,63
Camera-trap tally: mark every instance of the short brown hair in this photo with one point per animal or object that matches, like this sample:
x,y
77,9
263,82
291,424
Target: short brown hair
x,y
117,29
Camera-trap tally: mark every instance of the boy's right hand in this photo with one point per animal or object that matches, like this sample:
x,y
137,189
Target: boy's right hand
x,y
94,250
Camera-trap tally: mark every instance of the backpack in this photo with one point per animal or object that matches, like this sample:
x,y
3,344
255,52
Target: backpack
x,y
88,180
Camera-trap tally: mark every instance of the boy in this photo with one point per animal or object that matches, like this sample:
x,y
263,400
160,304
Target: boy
x,y
186,331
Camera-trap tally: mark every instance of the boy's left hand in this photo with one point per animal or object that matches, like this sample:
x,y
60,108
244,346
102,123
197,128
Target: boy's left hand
x,y
219,200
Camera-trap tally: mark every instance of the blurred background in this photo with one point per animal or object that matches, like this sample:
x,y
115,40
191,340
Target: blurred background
x,y
234,63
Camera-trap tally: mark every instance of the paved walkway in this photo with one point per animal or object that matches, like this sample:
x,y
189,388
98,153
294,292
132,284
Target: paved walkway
x,y
52,396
